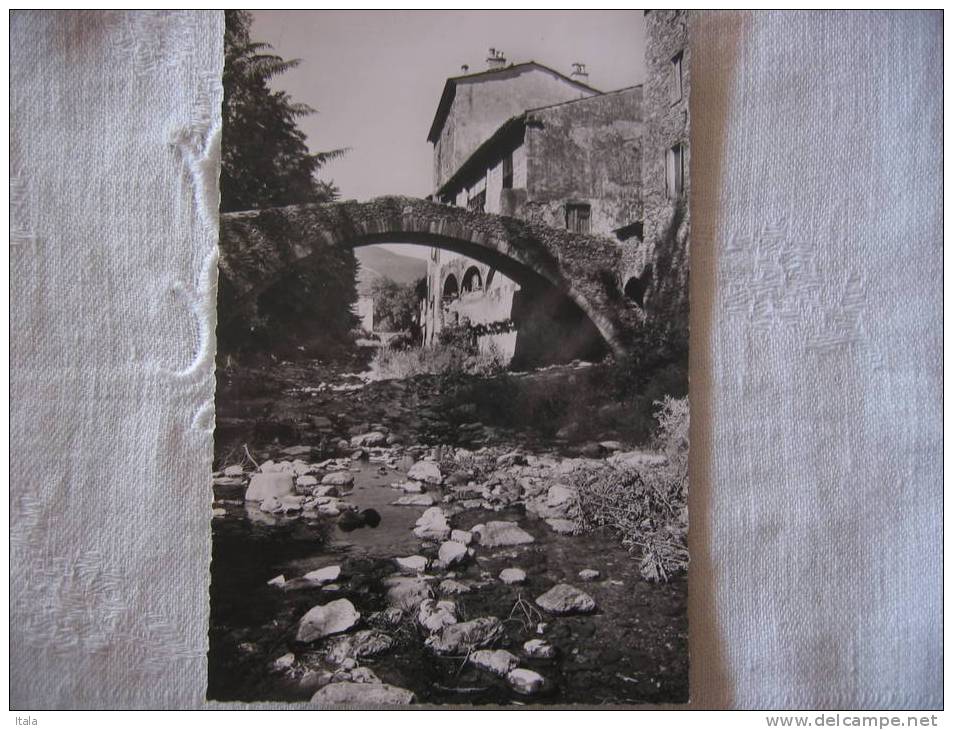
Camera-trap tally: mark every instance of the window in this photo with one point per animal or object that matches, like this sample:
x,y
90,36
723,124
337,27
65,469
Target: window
x,y
577,217
675,172
477,202
508,171
675,79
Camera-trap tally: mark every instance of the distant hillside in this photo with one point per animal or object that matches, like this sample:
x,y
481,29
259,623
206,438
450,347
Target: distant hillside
x,y
377,262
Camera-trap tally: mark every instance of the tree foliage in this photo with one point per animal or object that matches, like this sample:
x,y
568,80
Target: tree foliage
x,y
265,158
266,163
395,305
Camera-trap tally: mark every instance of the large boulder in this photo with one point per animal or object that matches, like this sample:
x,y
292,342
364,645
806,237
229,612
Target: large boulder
x,y
460,638
434,615
451,553
331,618
433,525
497,661
411,564
565,599
362,693
502,534
373,438
525,681
512,576
362,645
322,576
539,649
338,479
271,484
425,471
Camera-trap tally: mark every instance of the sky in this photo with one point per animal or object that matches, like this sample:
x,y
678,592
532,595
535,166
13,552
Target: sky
x,y
375,77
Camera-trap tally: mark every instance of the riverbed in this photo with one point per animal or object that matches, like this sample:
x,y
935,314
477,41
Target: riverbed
x,y
632,648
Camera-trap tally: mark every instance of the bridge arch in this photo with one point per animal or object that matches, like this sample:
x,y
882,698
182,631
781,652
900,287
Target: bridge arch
x,y
472,281
451,290
257,247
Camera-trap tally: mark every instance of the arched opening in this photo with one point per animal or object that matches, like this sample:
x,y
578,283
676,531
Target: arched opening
x,y
636,286
472,281
451,289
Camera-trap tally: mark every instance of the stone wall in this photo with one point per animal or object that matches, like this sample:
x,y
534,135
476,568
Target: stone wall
x,y
586,152
667,123
482,104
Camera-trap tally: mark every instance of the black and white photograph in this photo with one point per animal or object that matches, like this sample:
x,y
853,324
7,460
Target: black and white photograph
x,y
451,435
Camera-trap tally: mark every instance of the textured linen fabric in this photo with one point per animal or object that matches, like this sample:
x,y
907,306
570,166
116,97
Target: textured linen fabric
x,y
815,365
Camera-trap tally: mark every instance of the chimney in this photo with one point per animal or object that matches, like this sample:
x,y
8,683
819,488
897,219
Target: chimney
x,y
579,73
495,60
464,69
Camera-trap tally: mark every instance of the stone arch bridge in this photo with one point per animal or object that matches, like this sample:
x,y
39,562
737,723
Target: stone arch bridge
x,y
258,246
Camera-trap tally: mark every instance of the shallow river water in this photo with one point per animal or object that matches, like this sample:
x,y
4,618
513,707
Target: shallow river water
x,y
633,649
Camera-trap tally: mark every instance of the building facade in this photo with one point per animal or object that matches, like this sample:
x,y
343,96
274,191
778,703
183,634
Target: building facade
x,y
529,142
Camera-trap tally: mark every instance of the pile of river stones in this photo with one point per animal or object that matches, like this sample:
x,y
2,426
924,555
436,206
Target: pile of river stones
x,y
420,589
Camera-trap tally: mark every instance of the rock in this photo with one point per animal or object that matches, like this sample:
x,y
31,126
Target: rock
x,y
425,471
498,661
415,500
411,487
568,431
433,525
361,693
451,553
372,438
364,675
412,564
326,490
307,481
539,649
461,536
460,638
589,575
371,517
451,587
502,534
563,527
358,455
272,484
339,479
525,681
560,496
350,521
296,451
235,470
406,593
285,661
362,645
321,422
331,618
512,576
278,581
322,576
565,599
611,445
434,615
270,505
388,617
218,512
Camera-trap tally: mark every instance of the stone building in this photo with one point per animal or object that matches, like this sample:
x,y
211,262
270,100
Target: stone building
x,y
529,142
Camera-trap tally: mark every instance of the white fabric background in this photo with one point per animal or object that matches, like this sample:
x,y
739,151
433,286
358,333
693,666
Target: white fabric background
x,y
816,358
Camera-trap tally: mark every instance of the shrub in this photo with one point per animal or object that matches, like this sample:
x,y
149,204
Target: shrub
x,y
646,503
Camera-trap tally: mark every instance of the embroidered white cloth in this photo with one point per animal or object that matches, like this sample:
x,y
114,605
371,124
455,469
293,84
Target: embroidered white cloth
x,y
816,358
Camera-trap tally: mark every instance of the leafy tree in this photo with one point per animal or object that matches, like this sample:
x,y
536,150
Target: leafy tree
x,y
395,305
265,157
266,163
